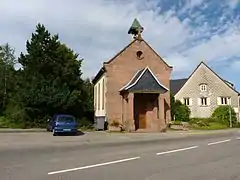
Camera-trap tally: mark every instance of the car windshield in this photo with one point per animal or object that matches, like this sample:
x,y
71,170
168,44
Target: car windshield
x,y
68,119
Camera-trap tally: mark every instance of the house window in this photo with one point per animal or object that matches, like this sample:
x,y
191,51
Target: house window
x,y
95,96
186,101
103,95
224,100
204,101
98,104
203,87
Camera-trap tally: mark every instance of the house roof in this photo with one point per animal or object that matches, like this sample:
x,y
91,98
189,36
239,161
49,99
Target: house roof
x,y
102,70
144,80
177,84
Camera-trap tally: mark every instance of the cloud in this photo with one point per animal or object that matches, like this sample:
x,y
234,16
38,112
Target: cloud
x,y
182,33
233,3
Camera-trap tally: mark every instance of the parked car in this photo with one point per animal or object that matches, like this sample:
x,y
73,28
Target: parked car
x,y
62,123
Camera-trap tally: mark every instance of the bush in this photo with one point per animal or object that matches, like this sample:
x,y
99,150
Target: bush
x,y
206,124
182,113
85,124
221,114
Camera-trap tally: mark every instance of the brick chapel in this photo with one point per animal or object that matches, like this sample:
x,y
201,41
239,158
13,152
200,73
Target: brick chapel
x,y
133,88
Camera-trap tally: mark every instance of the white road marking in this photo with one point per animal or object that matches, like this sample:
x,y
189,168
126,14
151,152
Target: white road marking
x,y
176,150
93,166
218,142
238,138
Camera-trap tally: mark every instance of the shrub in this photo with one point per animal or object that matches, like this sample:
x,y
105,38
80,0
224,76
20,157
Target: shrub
x,y
182,113
85,124
221,114
206,124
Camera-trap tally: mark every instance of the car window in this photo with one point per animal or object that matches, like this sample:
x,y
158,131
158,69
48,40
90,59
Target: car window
x,y
65,119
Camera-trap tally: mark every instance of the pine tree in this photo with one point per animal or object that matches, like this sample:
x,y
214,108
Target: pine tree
x,y
50,81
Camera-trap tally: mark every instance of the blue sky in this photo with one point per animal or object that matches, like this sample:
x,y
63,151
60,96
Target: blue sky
x,y
183,32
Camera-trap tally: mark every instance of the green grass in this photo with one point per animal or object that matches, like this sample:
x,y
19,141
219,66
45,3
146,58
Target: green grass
x,y
204,124
210,126
7,123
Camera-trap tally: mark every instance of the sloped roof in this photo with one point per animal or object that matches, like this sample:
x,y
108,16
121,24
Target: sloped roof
x,y
144,80
134,27
177,84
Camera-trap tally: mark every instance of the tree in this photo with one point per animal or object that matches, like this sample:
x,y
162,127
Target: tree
x,y
172,104
179,111
7,62
50,81
182,113
222,115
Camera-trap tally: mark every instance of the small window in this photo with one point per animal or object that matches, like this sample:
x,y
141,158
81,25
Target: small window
x,y
204,101
203,87
186,101
139,54
224,100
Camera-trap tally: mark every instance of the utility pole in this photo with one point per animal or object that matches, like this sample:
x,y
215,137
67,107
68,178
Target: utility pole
x,y
230,113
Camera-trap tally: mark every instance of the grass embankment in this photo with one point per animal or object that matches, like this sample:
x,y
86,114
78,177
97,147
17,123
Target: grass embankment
x,y
204,124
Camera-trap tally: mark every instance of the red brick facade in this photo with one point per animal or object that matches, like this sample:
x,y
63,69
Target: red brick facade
x,y
120,70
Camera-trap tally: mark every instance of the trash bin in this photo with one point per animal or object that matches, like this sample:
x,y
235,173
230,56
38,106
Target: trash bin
x,y
99,123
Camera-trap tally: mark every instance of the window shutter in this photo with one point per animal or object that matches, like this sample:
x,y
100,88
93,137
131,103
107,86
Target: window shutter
x,y
208,101
190,101
219,101
229,101
182,100
199,102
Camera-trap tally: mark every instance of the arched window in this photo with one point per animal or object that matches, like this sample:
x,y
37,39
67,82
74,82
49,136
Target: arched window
x,y
203,87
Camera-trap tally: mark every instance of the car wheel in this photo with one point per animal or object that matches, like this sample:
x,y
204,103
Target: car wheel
x,y
54,133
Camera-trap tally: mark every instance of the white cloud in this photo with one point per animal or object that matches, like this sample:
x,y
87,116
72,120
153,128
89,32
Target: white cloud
x,y
232,3
97,29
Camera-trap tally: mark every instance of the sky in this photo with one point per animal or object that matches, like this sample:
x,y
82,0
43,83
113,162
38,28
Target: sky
x,y
183,32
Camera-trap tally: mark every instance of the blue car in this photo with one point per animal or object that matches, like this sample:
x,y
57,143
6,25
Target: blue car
x,y
62,123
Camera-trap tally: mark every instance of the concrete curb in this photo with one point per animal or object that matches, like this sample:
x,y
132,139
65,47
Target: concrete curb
x,y
6,130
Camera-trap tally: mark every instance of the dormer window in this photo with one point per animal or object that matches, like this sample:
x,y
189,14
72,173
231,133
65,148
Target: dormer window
x,y
203,87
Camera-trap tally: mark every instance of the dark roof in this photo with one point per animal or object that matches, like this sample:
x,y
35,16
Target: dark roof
x,y
144,81
177,84
136,26
99,75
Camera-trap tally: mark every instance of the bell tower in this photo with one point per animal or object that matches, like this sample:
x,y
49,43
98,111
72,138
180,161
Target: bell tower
x,y
136,30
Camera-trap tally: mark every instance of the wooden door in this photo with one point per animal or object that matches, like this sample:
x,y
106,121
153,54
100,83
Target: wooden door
x,y
142,119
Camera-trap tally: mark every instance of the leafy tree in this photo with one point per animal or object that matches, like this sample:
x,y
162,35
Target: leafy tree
x,y
50,81
172,104
7,62
182,113
179,111
222,115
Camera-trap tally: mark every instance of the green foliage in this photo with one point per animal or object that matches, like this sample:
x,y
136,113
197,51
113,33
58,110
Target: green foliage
x,y
7,76
206,124
179,111
50,82
85,124
172,104
222,115
182,112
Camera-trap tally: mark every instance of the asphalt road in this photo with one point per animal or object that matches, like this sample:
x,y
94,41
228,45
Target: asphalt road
x,y
206,158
